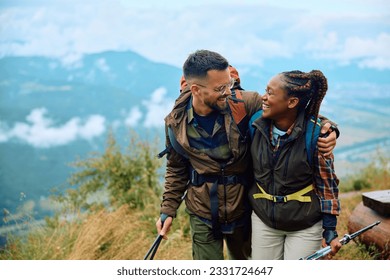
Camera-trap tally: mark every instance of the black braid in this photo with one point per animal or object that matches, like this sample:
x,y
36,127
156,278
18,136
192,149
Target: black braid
x,y
310,88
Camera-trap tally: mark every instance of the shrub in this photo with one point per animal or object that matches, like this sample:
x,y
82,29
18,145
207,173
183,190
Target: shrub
x,y
360,184
115,178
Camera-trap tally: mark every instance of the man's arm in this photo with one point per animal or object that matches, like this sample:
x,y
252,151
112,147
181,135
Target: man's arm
x,y
176,180
327,144
326,187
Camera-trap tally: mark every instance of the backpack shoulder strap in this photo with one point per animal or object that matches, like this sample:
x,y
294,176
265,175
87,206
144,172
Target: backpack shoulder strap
x,y
173,144
178,148
254,117
311,142
237,106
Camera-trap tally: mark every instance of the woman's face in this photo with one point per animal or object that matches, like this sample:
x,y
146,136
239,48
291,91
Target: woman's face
x,y
275,99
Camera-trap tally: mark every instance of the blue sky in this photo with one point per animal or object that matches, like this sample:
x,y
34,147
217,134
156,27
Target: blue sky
x,y
246,32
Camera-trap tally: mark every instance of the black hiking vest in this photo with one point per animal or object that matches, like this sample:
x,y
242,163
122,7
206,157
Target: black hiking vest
x,y
279,177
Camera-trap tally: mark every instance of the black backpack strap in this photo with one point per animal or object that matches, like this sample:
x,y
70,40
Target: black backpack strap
x,y
216,226
178,148
311,137
199,179
173,144
165,151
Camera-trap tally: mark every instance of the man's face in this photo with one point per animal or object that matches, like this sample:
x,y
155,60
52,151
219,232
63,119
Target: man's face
x,y
211,93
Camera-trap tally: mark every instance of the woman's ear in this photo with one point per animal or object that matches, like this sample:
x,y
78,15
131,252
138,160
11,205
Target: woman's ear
x,y
293,102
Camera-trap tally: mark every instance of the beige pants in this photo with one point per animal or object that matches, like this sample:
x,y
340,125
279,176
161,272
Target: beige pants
x,y
273,244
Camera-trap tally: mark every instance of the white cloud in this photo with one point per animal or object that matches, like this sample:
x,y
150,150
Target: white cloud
x,y
328,42
374,52
39,131
157,108
246,32
369,52
376,62
72,60
93,127
102,65
332,6
133,117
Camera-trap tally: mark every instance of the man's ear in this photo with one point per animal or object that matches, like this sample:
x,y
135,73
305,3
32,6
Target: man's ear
x,y
293,102
194,89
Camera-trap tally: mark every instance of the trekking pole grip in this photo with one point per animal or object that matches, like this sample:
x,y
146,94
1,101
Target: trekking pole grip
x,y
163,217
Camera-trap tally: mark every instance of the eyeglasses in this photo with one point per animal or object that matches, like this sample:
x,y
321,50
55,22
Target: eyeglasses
x,y
222,89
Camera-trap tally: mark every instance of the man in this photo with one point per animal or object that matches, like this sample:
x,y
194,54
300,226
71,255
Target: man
x,y
210,158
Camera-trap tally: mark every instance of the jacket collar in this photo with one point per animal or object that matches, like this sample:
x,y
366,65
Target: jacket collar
x,y
294,131
178,111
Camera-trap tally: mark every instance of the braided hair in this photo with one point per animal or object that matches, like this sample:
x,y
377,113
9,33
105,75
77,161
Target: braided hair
x,y
310,88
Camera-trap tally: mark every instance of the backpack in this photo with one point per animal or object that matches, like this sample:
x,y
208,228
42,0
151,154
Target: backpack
x,y
311,142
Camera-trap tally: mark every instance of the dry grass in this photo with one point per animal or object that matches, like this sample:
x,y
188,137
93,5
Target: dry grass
x,y
123,234
127,234
377,179
107,235
353,250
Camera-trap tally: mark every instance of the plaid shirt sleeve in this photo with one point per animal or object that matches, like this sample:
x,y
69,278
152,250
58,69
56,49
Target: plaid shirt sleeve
x,y
326,184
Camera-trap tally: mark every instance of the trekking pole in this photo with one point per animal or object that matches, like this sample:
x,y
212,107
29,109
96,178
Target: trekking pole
x,y
153,249
347,237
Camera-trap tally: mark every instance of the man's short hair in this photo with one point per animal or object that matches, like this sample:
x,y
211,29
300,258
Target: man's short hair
x,y
200,62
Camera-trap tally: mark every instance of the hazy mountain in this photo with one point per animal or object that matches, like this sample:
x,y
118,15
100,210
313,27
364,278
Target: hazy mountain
x,y
51,113
42,102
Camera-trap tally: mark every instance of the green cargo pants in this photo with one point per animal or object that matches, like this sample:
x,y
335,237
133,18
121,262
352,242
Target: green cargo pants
x,y
206,247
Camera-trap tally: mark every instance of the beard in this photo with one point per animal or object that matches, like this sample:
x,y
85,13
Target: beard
x,y
218,105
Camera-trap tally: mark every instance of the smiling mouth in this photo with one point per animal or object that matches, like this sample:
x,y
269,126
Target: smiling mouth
x,y
265,106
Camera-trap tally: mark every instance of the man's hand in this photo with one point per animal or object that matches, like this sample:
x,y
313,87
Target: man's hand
x,y
163,229
335,246
327,144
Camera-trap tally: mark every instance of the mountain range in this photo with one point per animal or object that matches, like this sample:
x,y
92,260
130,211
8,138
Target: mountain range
x,y
51,113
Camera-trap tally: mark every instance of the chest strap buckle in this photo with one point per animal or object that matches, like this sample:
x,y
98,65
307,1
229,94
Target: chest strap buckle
x,y
299,195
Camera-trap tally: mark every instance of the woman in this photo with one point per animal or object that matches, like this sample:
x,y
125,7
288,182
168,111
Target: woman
x,y
295,202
